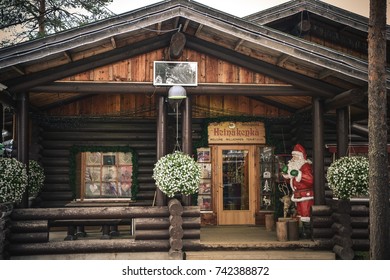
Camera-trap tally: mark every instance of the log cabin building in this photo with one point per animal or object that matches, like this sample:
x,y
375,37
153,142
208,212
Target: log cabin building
x,y
86,104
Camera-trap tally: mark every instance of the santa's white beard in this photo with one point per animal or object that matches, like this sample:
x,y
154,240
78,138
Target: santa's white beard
x,y
295,164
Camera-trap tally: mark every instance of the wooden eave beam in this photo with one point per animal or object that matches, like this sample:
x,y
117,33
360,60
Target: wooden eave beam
x,y
159,28
56,73
113,42
185,26
347,98
320,88
325,73
146,88
68,56
282,59
238,44
198,30
18,70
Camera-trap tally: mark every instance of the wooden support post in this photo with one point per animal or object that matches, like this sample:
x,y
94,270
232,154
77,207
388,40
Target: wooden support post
x,y
187,137
318,152
23,137
162,120
175,230
342,132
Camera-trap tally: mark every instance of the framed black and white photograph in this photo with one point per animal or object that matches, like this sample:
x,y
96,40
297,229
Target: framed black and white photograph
x,y
167,73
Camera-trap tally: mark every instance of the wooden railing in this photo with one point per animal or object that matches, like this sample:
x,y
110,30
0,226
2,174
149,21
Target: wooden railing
x,y
154,229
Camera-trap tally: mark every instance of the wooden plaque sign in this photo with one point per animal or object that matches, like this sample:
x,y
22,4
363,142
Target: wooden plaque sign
x,y
236,133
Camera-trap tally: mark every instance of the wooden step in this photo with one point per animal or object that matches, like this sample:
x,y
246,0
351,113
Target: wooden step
x,y
261,255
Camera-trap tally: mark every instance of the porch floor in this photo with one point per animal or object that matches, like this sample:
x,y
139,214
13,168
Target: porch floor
x,y
254,243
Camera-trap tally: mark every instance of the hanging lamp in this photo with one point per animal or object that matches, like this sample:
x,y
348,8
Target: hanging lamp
x,y
175,96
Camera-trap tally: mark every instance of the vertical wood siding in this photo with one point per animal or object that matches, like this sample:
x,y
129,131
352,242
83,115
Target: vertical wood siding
x,y
140,69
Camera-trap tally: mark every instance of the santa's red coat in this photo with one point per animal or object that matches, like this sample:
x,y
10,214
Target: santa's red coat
x,y
303,190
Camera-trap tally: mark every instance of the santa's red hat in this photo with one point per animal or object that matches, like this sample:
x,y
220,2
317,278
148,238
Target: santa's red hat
x,y
299,150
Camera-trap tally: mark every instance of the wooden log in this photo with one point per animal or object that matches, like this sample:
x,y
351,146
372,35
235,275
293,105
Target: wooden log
x,y
281,231
343,241
322,233
151,234
191,222
361,244
163,223
321,210
269,222
323,243
89,222
175,255
343,219
360,222
29,226
341,206
344,253
293,232
321,221
191,234
359,210
176,221
358,233
176,232
191,244
89,246
151,223
191,211
341,229
29,237
89,213
175,207
164,234
176,244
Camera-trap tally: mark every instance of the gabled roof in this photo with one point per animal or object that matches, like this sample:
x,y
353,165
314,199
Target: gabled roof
x,y
317,7
241,41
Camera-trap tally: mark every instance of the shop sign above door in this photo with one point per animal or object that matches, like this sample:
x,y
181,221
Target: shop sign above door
x,y
236,133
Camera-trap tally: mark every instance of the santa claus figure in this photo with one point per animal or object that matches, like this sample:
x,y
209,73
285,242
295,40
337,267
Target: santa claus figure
x,y
298,173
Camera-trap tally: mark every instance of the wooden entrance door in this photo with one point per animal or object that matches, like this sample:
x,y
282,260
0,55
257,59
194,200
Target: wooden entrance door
x,y
235,181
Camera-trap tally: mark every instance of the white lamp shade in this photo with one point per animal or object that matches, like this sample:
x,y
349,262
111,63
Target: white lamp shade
x,y
177,92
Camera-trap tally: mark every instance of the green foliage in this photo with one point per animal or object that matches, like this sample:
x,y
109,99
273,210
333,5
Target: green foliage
x,y
348,177
36,178
13,180
30,19
177,173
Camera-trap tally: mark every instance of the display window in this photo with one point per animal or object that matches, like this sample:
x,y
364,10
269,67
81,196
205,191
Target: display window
x,y
106,175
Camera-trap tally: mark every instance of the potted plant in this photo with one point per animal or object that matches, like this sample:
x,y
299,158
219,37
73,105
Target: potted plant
x,y
13,180
177,173
348,177
36,178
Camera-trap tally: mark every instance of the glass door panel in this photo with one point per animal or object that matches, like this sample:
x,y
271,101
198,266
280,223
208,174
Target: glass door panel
x,y
235,180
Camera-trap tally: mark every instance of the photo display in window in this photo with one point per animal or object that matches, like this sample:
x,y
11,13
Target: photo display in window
x,y
107,175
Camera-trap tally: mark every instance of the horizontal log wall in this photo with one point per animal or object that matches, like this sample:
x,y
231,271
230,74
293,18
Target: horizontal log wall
x,y
328,224
59,135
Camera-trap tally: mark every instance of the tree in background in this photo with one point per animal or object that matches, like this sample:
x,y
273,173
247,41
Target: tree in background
x,y
22,20
377,133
